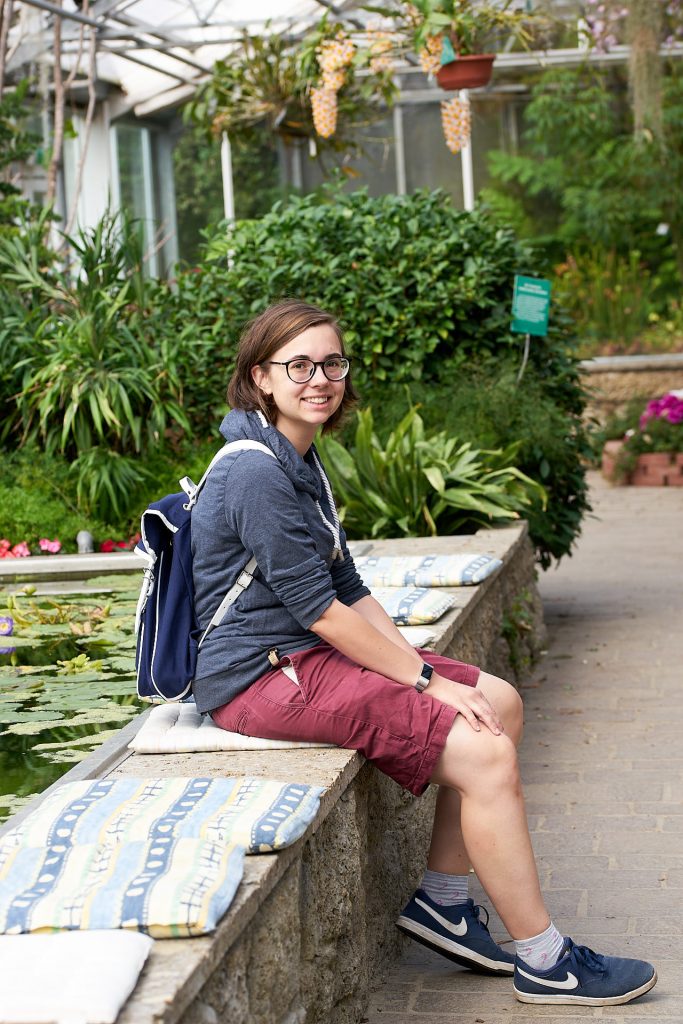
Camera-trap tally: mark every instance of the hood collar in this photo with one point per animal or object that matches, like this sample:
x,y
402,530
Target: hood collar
x,y
253,426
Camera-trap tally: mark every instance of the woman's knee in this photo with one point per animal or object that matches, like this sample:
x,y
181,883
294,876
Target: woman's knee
x,y
477,761
507,702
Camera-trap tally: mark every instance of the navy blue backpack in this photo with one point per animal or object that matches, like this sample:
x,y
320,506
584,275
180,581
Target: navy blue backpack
x,y
166,626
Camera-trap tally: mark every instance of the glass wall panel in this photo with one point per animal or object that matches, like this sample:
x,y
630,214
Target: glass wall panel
x,y
146,192
374,166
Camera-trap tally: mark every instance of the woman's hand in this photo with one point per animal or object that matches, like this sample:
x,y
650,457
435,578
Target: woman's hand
x,y
470,702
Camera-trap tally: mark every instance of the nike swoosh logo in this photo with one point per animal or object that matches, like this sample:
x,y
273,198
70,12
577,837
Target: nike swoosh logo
x,y
569,982
455,929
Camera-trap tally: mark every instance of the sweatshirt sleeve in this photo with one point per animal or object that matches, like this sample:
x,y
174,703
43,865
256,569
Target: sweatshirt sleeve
x,y
345,579
262,507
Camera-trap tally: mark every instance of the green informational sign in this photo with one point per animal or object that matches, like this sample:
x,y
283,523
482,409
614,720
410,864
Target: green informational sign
x,y
530,305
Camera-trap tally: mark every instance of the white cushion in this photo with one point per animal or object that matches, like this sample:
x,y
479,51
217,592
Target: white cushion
x,y
69,977
180,729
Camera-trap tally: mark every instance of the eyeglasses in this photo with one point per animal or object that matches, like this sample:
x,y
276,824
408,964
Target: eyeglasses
x,y
301,369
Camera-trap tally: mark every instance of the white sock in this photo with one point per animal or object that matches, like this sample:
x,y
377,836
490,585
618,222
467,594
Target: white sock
x,y
446,890
542,951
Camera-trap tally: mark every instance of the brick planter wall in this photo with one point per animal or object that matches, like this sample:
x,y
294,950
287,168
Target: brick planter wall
x,y
653,469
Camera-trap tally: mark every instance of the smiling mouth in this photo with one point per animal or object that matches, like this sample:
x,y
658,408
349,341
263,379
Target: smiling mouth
x,y
318,400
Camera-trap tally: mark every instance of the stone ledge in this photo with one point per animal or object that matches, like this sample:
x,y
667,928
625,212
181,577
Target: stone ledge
x,y
641,363
310,931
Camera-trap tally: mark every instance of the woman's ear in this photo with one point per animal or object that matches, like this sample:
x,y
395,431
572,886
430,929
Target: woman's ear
x,y
261,379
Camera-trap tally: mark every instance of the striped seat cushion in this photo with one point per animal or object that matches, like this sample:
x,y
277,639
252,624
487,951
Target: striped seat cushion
x,y
426,570
162,856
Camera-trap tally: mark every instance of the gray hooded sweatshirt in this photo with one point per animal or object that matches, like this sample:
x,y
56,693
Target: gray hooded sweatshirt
x,y
252,504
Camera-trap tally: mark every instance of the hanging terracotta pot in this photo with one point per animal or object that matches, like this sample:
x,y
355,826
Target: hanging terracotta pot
x,y
468,72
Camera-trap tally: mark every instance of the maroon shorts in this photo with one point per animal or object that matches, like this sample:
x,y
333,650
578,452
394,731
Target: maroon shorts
x,y
334,700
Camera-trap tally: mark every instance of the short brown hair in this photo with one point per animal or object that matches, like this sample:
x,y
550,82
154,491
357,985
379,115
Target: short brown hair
x,y
261,339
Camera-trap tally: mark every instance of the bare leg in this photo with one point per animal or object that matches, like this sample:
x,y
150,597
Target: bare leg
x,y
483,769
447,851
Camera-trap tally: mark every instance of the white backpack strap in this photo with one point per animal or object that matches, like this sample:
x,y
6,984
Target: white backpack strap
x,y
247,574
242,582
192,490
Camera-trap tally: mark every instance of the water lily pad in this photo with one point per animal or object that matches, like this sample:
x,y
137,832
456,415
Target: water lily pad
x,y
94,740
13,694
11,803
20,641
83,679
67,756
46,629
29,723
9,711
98,716
20,670
121,663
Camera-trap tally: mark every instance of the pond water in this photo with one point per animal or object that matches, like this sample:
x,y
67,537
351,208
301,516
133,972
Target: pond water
x,y
67,679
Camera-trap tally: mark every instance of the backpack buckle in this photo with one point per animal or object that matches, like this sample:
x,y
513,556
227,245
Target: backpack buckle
x,y
244,579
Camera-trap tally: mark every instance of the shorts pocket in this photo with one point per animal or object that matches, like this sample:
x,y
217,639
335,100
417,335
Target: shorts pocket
x,y
241,721
283,687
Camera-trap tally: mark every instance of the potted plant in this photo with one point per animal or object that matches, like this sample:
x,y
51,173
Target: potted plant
x,y
454,38
652,454
304,91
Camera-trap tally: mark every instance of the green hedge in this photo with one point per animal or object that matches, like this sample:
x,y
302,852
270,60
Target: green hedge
x,y
423,292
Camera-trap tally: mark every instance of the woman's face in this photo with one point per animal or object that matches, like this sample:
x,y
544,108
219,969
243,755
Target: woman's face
x,y
302,408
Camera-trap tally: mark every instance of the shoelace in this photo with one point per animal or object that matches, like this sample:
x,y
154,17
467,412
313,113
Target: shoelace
x,y
478,911
593,961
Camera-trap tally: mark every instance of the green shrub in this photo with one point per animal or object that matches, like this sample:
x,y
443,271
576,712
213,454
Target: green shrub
x,y
38,499
116,369
98,381
484,405
422,485
39,494
414,282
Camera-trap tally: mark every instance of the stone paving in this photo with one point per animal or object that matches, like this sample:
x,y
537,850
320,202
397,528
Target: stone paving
x,y
602,760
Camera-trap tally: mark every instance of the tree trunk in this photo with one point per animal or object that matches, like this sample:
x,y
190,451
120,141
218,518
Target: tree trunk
x,y
58,115
645,68
5,22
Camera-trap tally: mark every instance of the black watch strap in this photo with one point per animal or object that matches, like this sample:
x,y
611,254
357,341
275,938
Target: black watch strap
x,y
425,676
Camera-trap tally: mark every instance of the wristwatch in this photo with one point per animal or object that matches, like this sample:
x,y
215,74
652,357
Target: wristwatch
x,y
425,676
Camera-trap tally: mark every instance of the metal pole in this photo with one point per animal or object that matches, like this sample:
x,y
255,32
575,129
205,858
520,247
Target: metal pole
x,y
525,357
226,171
466,162
399,149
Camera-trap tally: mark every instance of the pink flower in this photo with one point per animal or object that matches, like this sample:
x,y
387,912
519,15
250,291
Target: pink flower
x,y
4,546
51,546
668,407
21,550
114,545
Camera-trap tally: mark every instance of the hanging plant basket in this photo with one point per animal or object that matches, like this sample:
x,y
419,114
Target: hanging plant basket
x,y
468,72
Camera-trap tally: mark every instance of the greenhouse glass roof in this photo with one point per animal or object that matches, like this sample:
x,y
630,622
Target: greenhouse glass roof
x,y
150,48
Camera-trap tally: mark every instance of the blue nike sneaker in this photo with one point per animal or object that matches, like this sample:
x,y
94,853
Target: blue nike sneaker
x,y
582,976
455,932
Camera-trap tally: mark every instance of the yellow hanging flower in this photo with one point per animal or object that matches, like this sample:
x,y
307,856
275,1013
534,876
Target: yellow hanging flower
x,y
335,54
430,55
324,104
456,120
380,45
334,80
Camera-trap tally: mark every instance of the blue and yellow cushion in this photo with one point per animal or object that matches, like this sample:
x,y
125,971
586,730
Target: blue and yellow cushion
x,y
426,570
165,887
413,606
162,856
262,815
